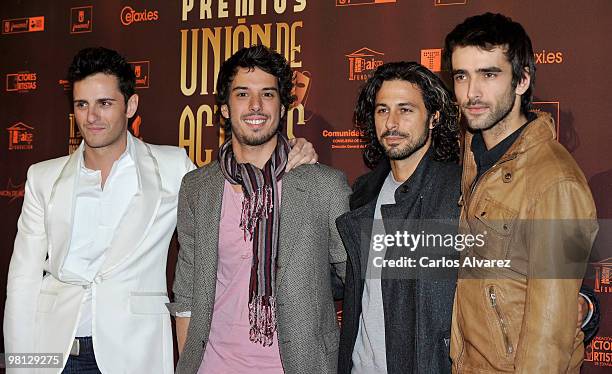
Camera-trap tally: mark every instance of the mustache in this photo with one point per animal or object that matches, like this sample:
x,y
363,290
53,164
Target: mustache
x,y
255,114
471,103
393,133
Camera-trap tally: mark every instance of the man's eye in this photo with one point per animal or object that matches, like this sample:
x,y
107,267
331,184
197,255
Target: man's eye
x,y
381,110
406,110
241,94
80,105
459,77
106,103
490,75
268,94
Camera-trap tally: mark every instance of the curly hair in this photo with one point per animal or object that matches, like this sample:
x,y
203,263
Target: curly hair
x,y
437,98
487,31
90,61
260,57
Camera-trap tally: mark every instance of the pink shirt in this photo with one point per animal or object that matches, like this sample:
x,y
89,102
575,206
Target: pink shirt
x,y
229,350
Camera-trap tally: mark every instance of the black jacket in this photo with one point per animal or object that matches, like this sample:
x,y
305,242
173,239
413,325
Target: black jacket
x,y
417,311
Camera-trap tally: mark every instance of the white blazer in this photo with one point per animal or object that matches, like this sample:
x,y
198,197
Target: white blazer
x,y
131,328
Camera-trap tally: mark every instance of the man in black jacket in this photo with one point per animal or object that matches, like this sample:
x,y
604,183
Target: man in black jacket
x,y
411,124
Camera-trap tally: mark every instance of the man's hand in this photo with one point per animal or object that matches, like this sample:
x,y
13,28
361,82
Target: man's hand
x,y
302,152
182,324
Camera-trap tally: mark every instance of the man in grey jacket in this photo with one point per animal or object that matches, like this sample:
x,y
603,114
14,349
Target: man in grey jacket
x,y
253,287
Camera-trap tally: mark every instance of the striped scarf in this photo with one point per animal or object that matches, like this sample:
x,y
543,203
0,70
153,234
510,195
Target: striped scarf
x,y
259,220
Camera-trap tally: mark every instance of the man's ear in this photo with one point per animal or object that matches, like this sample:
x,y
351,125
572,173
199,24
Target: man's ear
x,y
523,84
433,121
132,106
225,111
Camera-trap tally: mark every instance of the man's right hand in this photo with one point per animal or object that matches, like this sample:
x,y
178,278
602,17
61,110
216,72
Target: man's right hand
x,y
182,324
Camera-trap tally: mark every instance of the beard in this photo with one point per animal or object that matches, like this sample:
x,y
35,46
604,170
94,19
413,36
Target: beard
x,y
498,112
254,139
403,151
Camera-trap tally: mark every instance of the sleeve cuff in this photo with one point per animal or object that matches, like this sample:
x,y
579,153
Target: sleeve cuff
x,y
178,309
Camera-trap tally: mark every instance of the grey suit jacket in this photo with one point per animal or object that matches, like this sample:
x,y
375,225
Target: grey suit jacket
x,y
313,196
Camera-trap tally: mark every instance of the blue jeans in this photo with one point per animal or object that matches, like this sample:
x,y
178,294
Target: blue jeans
x,y
85,362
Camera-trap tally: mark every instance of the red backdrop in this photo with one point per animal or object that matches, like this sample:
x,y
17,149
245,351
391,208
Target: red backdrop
x,y
176,48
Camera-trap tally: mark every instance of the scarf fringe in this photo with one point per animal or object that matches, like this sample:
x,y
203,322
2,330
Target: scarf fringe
x,y
262,318
254,208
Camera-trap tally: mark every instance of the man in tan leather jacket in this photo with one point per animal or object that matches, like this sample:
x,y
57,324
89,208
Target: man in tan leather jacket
x,y
525,193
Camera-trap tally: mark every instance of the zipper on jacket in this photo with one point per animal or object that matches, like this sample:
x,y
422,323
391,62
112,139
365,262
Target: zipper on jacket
x,y
502,322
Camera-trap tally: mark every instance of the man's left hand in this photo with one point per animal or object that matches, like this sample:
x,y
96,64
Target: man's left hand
x,y
302,152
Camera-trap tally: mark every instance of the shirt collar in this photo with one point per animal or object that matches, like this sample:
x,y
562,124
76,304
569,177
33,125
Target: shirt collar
x,y
486,158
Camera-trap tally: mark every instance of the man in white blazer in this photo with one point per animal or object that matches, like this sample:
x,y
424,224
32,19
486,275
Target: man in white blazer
x,y
88,271
97,224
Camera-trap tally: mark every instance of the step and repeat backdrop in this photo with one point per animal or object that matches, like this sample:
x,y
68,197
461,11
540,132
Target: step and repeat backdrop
x,y
176,49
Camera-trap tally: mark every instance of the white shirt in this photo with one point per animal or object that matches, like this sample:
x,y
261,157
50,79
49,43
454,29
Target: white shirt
x,y
97,214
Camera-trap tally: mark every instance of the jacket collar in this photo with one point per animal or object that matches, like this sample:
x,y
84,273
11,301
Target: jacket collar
x,y
367,187
538,131
133,226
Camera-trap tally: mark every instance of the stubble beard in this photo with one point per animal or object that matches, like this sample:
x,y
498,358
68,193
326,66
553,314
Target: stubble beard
x,y
405,151
497,115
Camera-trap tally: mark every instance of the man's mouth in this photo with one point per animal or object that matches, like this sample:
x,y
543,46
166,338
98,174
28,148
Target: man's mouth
x,y
95,129
255,121
476,109
393,137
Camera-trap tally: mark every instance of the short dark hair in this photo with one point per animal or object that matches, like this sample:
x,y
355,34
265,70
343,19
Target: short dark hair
x,y
260,57
488,31
437,98
95,60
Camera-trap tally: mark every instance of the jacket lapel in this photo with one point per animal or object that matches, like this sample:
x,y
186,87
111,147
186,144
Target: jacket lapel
x,y
208,210
61,201
355,229
293,208
141,212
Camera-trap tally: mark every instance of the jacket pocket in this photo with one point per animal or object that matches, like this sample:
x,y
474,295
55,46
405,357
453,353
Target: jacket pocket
x,y
46,301
148,302
497,222
502,322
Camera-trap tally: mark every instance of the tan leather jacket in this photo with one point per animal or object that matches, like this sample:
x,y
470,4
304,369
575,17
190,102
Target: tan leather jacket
x,y
537,210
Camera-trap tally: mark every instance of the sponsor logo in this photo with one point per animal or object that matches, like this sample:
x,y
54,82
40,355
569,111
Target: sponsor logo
x,y
13,191
363,62
135,127
22,82
141,69
432,59
449,2
345,139
548,57
599,351
65,84
129,15
75,136
361,2
81,19
18,25
603,276
551,107
21,137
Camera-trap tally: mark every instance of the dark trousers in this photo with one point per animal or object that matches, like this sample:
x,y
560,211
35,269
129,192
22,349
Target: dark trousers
x,y
85,362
